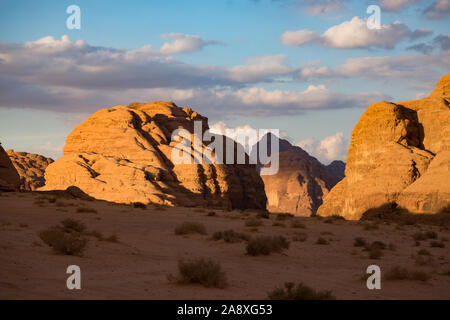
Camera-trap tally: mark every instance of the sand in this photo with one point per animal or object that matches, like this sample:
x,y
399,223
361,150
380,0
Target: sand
x,y
137,266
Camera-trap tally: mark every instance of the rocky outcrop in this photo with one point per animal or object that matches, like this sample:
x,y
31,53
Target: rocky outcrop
x,y
301,181
9,178
399,153
31,168
123,154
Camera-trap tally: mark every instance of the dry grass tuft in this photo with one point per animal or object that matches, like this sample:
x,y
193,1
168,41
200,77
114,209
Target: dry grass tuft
x,y
292,291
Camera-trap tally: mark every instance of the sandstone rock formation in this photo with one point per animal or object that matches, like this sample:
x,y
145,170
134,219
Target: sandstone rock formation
x,y
31,168
9,178
399,153
123,154
301,182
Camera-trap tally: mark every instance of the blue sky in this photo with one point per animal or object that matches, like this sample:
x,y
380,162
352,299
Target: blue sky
x,y
308,68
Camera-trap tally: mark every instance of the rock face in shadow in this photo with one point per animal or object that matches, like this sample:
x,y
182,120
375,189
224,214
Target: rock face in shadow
x,y
9,178
301,181
399,153
123,154
31,168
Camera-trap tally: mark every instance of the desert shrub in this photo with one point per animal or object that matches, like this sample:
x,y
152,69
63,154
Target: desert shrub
x,y
292,291
94,233
421,236
431,235
392,212
278,224
322,241
284,216
437,244
230,236
333,218
86,210
370,226
264,245
211,214
253,222
420,276
300,236
51,200
61,204
113,238
263,215
139,205
188,227
23,225
4,222
297,224
392,247
397,273
71,225
375,253
424,260
359,242
423,252
202,271
63,242
199,210
401,273
377,245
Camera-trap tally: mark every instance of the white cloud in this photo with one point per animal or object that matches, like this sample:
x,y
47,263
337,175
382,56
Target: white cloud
x,y
439,9
183,43
328,149
350,35
262,67
47,149
322,7
424,69
299,37
396,5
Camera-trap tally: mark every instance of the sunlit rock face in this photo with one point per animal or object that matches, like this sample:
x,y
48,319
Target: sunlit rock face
x,y
399,153
123,154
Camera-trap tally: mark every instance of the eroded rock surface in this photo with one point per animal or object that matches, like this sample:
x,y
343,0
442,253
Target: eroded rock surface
x,y
31,168
123,154
9,178
301,181
399,153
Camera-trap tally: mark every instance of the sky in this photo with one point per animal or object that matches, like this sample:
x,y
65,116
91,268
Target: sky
x,y
308,68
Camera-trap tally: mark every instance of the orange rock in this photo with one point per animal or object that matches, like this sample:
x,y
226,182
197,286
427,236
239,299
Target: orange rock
x,y
9,178
301,181
399,152
123,154
31,168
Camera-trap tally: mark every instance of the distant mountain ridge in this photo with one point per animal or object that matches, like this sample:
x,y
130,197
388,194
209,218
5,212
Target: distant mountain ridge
x,y
301,182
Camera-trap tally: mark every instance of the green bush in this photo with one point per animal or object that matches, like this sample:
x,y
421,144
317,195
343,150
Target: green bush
x,y
291,291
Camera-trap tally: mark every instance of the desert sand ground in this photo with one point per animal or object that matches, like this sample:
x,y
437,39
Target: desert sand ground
x,y
137,266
